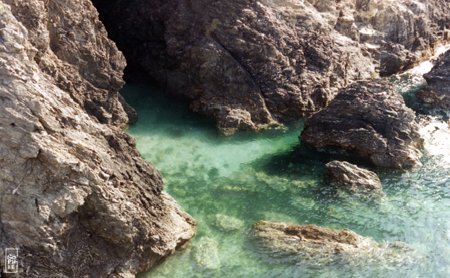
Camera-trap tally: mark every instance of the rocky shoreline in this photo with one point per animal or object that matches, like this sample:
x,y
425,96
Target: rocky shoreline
x,y
76,196
437,94
287,59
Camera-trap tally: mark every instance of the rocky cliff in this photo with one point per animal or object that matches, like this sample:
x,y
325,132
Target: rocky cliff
x,y
253,64
76,198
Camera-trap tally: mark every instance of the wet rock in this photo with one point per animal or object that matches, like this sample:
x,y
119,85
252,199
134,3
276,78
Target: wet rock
x,y
262,63
352,178
76,197
437,93
206,254
228,223
311,244
370,120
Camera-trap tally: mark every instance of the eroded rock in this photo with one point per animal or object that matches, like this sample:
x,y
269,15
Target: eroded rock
x,y
256,64
437,93
368,119
76,198
350,177
311,244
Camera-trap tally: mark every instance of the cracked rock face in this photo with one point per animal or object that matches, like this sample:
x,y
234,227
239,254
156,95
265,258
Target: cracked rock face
x,y
76,198
352,178
437,93
256,64
311,244
368,119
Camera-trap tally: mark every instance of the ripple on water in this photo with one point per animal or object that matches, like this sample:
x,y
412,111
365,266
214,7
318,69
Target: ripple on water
x,y
248,178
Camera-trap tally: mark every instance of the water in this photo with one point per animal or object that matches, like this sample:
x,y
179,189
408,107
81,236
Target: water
x,y
228,184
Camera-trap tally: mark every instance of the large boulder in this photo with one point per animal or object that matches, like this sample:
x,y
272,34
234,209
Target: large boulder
x,y
76,198
352,178
255,64
315,245
368,119
437,93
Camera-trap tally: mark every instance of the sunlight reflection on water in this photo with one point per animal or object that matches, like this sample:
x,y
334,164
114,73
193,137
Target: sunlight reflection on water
x,y
270,176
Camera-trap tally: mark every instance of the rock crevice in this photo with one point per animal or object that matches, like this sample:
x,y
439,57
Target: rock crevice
x,y
253,64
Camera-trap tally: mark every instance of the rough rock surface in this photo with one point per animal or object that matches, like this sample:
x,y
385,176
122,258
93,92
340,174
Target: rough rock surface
x,y
75,196
352,178
311,244
368,119
437,93
253,64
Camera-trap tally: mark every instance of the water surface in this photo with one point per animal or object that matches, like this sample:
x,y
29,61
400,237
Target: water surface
x,y
227,184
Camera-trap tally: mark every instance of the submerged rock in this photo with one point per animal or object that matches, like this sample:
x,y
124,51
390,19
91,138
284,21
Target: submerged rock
x,y
206,254
437,93
311,244
352,178
253,64
369,119
228,223
76,197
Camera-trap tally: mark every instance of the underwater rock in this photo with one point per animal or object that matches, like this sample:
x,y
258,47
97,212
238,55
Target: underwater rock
x,y
368,119
254,64
228,223
437,93
206,254
311,244
76,197
352,178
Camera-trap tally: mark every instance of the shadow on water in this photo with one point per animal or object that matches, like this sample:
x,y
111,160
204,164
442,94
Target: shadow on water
x,y
229,183
167,112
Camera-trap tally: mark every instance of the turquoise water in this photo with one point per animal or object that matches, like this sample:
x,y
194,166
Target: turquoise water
x,y
227,184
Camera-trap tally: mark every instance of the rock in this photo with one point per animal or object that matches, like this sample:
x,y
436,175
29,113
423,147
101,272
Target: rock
x,y
368,119
352,178
76,197
437,93
228,223
256,64
206,254
315,245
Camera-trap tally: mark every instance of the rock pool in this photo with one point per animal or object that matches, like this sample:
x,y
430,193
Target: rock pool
x,y
229,183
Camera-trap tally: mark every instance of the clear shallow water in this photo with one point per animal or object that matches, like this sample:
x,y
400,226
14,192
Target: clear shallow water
x,y
228,184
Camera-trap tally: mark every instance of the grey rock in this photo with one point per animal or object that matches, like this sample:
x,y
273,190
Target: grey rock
x,y
352,178
75,196
315,245
437,93
370,120
258,64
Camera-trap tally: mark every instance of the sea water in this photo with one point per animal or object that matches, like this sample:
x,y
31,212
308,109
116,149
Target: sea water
x,y
229,183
